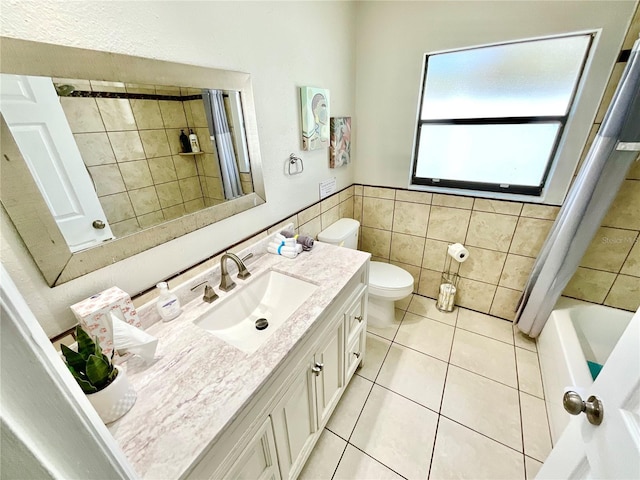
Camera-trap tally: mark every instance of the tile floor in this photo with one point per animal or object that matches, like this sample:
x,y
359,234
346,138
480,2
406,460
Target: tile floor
x,y
441,395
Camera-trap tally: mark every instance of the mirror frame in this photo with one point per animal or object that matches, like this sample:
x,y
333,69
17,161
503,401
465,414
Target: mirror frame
x,y
31,215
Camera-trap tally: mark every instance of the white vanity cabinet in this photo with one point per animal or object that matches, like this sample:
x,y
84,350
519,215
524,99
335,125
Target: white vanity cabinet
x,y
273,436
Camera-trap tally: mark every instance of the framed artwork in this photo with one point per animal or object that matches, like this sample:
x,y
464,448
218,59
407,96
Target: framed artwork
x,y
340,148
315,117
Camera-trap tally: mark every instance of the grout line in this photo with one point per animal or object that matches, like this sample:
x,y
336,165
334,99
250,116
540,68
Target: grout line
x,y
346,444
520,411
376,460
486,436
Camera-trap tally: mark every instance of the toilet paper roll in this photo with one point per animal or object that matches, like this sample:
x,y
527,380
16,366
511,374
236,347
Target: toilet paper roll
x,y
458,252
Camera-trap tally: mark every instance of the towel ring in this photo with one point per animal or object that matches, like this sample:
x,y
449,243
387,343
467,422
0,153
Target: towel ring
x,y
293,160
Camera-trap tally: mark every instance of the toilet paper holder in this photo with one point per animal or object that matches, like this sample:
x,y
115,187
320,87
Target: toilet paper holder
x,y
448,286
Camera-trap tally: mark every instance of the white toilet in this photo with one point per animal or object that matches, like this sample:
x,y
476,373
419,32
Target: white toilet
x,y
387,283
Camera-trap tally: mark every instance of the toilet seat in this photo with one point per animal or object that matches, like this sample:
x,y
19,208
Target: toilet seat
x,y
389,281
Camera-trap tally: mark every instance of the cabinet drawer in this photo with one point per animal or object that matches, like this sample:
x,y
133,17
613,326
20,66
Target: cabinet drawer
x,y
356,314
355,352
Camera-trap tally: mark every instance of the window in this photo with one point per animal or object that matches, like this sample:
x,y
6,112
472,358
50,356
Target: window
x,y
492,118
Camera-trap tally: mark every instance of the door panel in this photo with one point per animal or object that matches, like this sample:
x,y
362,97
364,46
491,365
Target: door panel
x,y
330,382
258,461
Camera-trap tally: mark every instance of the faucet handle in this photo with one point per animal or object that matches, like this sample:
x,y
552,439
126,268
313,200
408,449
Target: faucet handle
x,y
242,268
209,294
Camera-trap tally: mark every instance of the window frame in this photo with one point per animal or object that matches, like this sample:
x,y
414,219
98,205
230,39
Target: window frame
x,y
534,194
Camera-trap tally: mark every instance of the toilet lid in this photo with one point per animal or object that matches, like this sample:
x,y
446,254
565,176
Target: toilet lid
x,y
388,277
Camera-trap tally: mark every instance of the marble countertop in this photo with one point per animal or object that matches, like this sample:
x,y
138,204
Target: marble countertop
x,y
198,384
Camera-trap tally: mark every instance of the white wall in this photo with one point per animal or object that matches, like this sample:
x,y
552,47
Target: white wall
x,y
283,45
392,38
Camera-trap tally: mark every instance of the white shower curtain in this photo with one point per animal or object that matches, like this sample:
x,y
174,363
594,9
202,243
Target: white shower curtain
x,y
588,201
219,130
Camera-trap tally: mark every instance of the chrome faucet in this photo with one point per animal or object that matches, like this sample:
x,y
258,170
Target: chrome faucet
x,y
226,283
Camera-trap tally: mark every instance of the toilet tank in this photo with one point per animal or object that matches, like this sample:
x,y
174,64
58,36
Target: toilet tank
x,y
343,233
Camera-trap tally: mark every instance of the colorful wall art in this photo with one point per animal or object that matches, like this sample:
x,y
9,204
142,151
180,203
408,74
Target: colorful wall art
x,y
340,148
315,117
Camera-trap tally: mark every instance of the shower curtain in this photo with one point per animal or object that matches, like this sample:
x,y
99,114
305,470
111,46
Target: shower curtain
x,y
219,130
594,189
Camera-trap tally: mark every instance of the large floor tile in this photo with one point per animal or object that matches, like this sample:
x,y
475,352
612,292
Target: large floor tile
x,y
524,341
324,459
377,348
397,432
483,405
404,303
357,465
462,453
484,356
529,377
426,307
532,467
414,375
535,427
388,332
486,325
425,335
346,414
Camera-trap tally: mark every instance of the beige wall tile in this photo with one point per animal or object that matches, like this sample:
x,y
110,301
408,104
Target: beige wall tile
x,y
127,146
206,144
413,270
107,179
95,148
634,171
127,227
632,263
117,207
329,202
144,200
194,205
505,302
147,114
173,114
173,136
311,228
346,208
414,197
155,143
590,285
448,224
497,206
475,295
82,114
136,174
406,249
184,166
214,188
309,213
169,194
624,210
116,114
491,230
346,193
609,249
429,283
210,165
379,192
411,218
435,254
376,242
357,208
454,201
104,86
516,271
330,217
529,236
482,264
377,213
151,219
357,190
625,293
197,111
162,169
545,212
190,188
176,211
140,88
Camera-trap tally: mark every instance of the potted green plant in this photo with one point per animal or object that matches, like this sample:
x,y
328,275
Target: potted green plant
x,y
105,384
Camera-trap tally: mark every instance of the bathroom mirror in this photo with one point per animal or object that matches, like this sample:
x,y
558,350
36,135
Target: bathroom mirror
x,y
124,118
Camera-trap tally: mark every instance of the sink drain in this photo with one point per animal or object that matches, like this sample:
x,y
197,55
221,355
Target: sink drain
x,y
262,323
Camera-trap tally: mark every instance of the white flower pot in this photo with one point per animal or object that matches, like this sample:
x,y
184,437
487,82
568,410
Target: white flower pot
x,y
114,401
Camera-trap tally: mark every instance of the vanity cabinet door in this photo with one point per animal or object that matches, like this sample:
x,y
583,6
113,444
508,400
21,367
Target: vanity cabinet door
x,y
356,315
330,379
294,422
258,461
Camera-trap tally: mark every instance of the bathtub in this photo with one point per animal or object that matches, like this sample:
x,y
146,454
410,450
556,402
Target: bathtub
x,y
575,333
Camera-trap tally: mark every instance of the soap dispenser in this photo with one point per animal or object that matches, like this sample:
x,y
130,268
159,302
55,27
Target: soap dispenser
x,y
184,141
168,304
193,140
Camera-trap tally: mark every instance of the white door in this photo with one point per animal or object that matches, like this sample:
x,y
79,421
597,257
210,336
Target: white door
x,y
32,110
612,449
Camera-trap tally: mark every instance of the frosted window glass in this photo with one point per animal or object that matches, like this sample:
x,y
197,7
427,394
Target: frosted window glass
x,y
534,78
498,154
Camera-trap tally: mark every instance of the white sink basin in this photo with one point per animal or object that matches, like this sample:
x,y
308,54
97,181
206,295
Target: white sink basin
x,y
271,295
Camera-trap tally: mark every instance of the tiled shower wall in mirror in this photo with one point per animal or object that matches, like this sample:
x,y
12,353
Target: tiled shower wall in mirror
x,y
131,148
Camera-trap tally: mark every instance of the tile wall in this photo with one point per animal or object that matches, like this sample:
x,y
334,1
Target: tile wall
x,y
130,147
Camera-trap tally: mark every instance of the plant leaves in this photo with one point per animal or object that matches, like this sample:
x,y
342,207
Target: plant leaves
x,y
98,372
86,346
73,359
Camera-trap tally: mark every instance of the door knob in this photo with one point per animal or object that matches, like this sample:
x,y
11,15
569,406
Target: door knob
x,y
98,224
574,405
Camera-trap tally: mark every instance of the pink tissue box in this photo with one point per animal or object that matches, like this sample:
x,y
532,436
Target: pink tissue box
x,y
93,315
